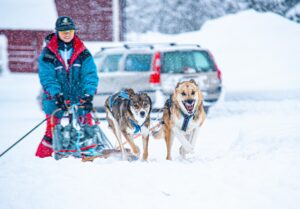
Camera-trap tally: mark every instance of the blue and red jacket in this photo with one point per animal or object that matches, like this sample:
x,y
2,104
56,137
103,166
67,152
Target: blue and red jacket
x,y
73,79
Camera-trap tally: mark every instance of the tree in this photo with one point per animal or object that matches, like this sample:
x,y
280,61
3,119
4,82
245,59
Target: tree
x,y
176,16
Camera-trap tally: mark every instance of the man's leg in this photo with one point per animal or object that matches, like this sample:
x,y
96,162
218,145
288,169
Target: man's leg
x,y
45,147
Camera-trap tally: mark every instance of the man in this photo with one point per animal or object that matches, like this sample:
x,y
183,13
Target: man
x,y
67,71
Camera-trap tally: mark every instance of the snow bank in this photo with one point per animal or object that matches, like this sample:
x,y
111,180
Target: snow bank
x,y
253,50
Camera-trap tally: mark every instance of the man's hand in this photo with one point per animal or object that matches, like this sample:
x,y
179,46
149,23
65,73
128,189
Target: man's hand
x,y
60,101
87,102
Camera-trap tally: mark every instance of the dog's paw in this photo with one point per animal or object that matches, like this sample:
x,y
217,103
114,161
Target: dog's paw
x,y
136,151
183,152
145,156
129,157
168,158
124,156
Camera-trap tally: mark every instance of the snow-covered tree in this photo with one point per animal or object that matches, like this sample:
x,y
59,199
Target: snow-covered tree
x,y
176,16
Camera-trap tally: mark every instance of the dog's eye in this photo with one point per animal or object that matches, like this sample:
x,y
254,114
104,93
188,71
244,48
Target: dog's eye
x,y
193,92
183,94
136,106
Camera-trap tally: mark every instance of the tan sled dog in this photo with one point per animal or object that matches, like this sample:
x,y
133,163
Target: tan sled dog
x,y
182,117
128,113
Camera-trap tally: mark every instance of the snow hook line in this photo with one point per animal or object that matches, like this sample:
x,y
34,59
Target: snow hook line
x,y
23,137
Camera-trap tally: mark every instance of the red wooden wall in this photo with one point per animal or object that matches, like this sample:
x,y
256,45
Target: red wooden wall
x,y
24,47
93,19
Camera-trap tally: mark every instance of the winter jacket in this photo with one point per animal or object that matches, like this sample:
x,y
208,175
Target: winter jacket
x,y
73,79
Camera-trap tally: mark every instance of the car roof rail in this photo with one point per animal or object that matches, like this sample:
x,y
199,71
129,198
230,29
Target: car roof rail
x,y
165,44
137,45
176,44
149,45
109,47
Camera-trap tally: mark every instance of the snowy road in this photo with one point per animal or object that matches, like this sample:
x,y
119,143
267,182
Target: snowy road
x,y
247,156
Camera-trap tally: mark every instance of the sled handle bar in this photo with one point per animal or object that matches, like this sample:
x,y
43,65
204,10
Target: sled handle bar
x,y
59,109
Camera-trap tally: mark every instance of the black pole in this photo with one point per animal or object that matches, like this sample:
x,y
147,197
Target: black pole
x,y
23,137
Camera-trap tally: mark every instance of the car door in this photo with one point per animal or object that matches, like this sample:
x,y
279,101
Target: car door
x,y
109,74
136,71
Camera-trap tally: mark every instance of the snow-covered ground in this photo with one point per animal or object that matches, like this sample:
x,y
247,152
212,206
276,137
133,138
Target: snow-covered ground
x,y
247,155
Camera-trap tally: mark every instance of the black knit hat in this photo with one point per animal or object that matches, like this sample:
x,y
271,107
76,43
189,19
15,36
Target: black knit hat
x,y
64,23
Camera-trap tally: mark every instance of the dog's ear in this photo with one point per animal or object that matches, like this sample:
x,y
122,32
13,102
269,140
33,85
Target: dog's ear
x,y
150,102
130,92
194,82
142,94
178,84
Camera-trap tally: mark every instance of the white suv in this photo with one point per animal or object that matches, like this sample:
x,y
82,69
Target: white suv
x,y
156,69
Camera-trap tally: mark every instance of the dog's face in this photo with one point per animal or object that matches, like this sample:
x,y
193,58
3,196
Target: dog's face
x,y
188,96
140,106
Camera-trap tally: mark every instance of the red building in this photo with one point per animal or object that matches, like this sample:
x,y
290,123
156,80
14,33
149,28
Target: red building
x,y
96,20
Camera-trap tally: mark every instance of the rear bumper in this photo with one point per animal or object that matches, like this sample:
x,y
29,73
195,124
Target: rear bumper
x,y
100,98
158,98
210,96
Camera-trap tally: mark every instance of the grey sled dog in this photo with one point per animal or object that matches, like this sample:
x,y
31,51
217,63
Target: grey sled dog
x,y
128,113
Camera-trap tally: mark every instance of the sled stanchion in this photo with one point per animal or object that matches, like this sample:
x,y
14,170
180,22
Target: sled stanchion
x,y
23,137
78,139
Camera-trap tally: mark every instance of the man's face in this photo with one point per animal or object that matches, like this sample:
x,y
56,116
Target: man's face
x,y
66,35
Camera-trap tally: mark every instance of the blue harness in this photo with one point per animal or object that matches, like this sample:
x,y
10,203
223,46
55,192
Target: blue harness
x,y
137,128
113,98
186,120
124,96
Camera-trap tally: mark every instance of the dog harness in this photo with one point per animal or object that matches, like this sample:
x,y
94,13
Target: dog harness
x,y
124,96
186,117
113,98
137,128
186,120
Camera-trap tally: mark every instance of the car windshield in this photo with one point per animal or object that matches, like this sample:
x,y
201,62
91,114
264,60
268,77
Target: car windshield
x,y
111,63
187,62
138,62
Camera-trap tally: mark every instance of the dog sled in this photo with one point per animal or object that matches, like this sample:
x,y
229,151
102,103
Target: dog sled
x,y
73,138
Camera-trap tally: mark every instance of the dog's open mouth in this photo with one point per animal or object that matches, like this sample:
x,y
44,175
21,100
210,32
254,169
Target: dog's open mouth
x,y
189,105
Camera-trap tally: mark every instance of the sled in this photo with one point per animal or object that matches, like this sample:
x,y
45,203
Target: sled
x,y
81,140
112,153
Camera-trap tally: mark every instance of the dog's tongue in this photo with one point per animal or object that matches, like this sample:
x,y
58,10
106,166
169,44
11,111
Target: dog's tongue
x,y
189,107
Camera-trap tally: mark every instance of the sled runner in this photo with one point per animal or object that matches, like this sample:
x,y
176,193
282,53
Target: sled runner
x,y
112,153
80,140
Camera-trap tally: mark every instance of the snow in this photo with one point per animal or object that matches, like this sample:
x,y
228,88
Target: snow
x,y
3,55
294,12
242,42
27,14
247,154
94,46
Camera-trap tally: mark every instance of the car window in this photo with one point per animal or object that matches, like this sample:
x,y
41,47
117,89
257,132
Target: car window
x,y
186,61
138,62
110,63
97,60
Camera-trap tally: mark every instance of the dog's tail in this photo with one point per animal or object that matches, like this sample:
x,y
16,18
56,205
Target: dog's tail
x,y
158,131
